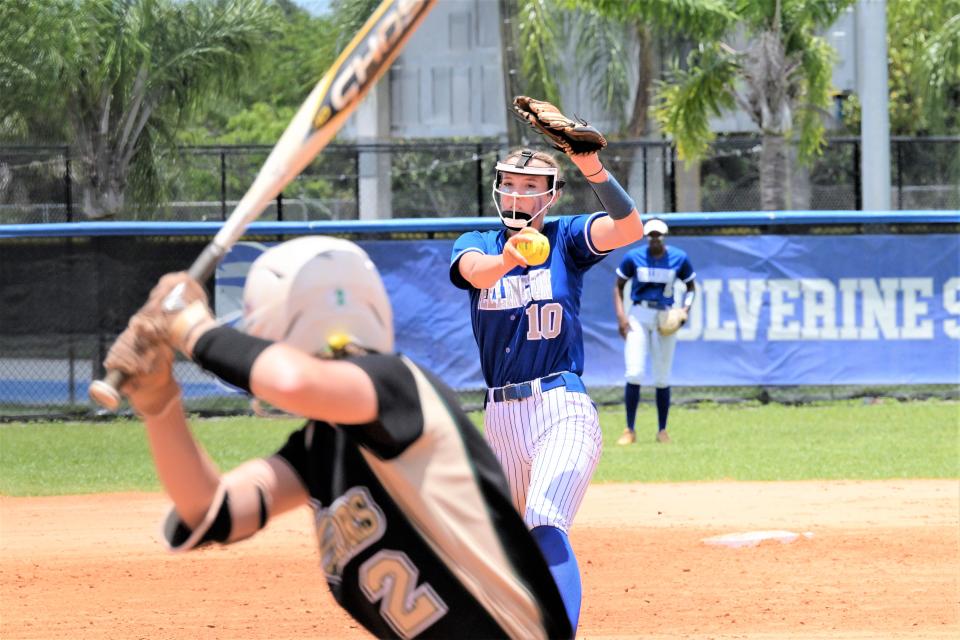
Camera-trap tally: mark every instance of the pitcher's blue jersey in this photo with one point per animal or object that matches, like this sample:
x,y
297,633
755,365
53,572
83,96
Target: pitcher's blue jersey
x,y
528,324
653,278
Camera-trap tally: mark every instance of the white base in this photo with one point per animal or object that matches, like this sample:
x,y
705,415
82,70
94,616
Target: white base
x,y
753,538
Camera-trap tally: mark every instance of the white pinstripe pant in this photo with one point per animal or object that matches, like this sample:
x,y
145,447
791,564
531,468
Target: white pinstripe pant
x,y
548,445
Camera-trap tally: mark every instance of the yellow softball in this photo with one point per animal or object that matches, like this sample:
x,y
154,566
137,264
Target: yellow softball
x,y
533,246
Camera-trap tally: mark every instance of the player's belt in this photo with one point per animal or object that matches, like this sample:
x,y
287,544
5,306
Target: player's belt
x,y
653,304
525,389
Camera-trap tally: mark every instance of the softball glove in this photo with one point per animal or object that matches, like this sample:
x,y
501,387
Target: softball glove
x,y
670,321
573,137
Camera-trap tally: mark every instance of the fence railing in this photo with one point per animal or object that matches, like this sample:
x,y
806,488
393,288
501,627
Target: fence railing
x,y
45,184
68,289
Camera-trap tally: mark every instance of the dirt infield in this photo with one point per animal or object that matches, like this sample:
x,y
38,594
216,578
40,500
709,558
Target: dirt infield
x,y
882,562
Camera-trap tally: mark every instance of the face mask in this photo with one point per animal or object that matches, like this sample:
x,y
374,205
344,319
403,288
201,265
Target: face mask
x,y
511,217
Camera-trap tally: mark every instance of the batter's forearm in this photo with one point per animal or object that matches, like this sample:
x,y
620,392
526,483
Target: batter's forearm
x,y
188,475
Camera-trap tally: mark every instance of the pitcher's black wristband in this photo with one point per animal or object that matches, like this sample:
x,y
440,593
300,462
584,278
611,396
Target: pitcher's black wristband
x,y
229,354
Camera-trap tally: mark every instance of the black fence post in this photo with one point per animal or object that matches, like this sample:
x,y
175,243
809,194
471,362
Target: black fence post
x,y
71,339
71,374
102,348
646,196
68,185
356,181
280,207
100,351
479,179
670,153
223,184
899,175
858,188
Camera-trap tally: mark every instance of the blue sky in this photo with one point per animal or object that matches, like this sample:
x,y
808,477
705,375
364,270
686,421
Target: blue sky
x,y
314,6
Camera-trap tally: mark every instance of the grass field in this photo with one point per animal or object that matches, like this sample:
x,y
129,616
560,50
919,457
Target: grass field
x,y
853,439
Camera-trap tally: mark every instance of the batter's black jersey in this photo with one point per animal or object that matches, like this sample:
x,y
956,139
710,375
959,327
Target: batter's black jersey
x,y
418,536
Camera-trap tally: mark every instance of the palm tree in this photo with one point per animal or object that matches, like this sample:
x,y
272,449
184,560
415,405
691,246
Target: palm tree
x,y
602,32
781,78
924,42
116,78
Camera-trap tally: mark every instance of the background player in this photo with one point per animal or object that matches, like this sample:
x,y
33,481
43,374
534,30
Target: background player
x,y
653,271
417,532
539,419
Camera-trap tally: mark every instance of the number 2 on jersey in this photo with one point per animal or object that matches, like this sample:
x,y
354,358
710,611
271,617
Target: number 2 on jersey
x,y
390,576
544,322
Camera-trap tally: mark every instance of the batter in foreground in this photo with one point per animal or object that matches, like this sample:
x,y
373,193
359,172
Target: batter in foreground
x,y
418,537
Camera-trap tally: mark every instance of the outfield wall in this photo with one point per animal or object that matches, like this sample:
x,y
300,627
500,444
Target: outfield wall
x,y
847,298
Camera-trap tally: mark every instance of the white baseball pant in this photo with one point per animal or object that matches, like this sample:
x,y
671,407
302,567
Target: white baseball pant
x,y
642,339
548,446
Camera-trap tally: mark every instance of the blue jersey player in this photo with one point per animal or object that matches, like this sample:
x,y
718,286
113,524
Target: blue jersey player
x,y
653,272
539,420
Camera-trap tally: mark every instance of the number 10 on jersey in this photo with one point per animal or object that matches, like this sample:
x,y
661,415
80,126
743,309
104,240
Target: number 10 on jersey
x,y
544,322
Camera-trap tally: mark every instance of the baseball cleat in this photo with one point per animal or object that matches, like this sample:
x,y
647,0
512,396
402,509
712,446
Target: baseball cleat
x,y
663,437
628,437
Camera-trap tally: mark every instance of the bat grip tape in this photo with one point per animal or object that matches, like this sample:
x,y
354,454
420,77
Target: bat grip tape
x,y
206,263
229,354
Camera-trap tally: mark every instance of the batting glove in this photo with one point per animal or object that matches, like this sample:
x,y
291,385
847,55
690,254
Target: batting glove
x,y
179,306
142,355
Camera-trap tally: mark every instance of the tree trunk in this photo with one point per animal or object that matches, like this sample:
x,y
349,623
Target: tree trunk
x,y
104,200
801,193
510,64
688,186
640,117
774,173
644,173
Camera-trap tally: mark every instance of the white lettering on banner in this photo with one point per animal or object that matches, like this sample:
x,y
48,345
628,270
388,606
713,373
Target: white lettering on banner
x,y
515,292
714,331
951,302
747,300
913,308
879,309
848,291
820,309
781,308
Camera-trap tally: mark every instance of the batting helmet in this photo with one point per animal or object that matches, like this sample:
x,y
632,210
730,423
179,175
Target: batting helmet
x,y
316,293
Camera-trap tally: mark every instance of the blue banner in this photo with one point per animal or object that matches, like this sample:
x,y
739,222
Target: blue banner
x,y
770,310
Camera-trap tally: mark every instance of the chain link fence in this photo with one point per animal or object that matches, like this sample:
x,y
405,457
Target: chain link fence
x,y
453,179
63,301
36,185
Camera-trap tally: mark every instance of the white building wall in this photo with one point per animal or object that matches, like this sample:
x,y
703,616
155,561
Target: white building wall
x,y
448,82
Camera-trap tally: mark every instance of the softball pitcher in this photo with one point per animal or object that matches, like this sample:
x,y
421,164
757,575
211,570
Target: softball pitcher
x,y
650,325
539,420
